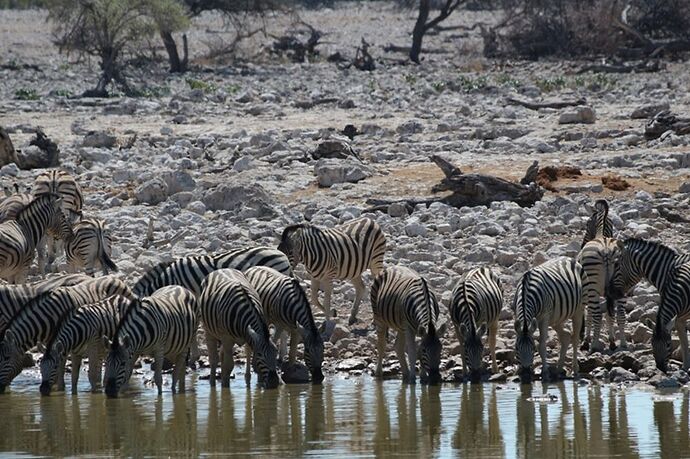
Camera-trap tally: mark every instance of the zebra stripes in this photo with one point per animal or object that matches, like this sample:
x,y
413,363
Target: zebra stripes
x,y
475,304
40,319
90,245
340,253
19,238
62,184
14,296
599,259
81,334
231,314
13,204
285,305
669,272
162,325
189,272
548,295
599,223
401,300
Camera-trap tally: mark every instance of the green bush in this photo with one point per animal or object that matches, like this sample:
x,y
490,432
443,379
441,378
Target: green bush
x,y
26,94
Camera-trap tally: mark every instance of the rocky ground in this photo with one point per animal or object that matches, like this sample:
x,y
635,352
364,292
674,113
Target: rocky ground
x,y
225,153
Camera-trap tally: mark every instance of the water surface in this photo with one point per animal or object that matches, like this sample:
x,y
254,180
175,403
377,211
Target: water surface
x,y
359,417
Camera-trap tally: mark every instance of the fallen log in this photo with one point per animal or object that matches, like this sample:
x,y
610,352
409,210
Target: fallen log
x,y
469,190
642,67
666,121
547,103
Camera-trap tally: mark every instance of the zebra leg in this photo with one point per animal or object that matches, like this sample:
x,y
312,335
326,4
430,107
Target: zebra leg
x,y
578,317
493,331
381,332
462,351
612,336
61,375
327,293
683,338
596,312
228,364
52,253
622,320
400,352
543,335
411,347
212,348
359,293
179,372
158,371
41,255
564,339
76,367
95,369
248,370
315,286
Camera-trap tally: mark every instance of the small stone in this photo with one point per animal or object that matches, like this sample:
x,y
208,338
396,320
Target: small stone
x,y
10,170
351,364
641,334
580,115
99,139
153,191
414,229
618,374
684,188
661,381
197,207
295,373
331,171
166,130
339,332
244,163
410,127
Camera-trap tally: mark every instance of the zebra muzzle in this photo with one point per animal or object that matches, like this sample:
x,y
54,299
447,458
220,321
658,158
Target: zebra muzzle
x,y
45,388
317,376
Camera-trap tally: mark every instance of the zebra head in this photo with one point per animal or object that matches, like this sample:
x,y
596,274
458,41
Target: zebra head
x,y
313,352
430,355
59,224
524,345
661,342
118,364
53,359
626,272
11,360
473,348
291,244
264,358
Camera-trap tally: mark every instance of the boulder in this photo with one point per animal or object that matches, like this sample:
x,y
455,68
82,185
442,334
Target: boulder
x,y
641,334
618,374
579,115
7,153
351,364
295,373
41,153
99,139
334,148
331,171
251,199
178,181
152,192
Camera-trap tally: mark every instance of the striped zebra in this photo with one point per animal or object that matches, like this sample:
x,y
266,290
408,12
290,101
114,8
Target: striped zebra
x,y
90,245
189,272
340,253
81,334
548,295
162,325
40,319
475,304
401,300
669,272
14,296
599,223
285,305
19,238
599,259
13,204
61,183
231,314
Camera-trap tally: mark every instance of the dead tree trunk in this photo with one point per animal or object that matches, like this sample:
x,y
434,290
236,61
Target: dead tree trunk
x,y
421,26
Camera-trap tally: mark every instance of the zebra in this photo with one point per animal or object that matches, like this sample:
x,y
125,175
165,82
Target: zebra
x,y
548,295
401,299
90,244
19,238
190,271
340,253
599,258
231,314
40,318
599,223
61,183
13,204
285,305
162,325
81,334
14,296
669,272
475,304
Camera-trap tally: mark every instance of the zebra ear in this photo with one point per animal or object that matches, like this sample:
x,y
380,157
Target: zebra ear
x,y
10,338
670,325
253,335
125,341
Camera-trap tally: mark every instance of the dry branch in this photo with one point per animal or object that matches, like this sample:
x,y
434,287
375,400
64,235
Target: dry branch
x,y
547,103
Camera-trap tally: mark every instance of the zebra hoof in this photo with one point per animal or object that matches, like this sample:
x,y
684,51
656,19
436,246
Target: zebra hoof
x,y
351,321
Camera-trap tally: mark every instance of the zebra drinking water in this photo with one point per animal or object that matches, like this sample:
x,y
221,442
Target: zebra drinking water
x,y
548,295
340,253
162,325
475,304
286,306
81,333
231,314
401,300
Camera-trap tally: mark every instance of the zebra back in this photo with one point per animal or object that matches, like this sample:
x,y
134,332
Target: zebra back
x,y
243,259
12,205
652,260
476,300
599,223
148,283
59,182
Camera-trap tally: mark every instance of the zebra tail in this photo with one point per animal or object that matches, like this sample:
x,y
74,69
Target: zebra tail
x,y
610,306
103,256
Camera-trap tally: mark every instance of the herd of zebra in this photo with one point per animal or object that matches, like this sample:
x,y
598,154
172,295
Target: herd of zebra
x,y
236,296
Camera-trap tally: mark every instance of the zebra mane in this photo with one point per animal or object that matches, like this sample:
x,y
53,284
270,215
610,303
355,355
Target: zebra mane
x,y
303,296
634,241
133,304
427,296
526,278
473,325
153,274
37,201
262,323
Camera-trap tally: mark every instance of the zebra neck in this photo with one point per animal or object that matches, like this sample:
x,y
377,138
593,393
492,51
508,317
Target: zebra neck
x,y
34,223
655,265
